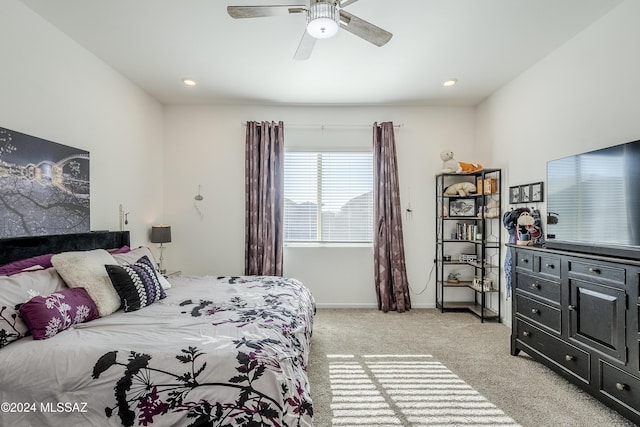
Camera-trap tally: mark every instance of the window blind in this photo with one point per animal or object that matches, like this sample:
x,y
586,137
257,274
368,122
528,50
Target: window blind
x,y
328,196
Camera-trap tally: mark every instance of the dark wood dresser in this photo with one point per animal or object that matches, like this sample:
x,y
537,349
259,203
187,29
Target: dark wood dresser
x,y
578,314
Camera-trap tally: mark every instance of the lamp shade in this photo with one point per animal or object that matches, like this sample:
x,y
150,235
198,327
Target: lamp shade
x,y
161,234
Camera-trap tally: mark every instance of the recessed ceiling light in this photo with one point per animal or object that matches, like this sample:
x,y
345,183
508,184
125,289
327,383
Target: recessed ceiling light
x,y
189,82
449,82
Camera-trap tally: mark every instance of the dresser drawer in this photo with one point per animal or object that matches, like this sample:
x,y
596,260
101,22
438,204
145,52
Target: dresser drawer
x,y
540,288
524,260
620,386
549,265
538,312
571,359
597,271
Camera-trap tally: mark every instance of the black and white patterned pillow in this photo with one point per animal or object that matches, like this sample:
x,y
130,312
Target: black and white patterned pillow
x,y
137,284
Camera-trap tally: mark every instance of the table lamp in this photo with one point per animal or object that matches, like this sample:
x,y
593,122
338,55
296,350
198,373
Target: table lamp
x,y
161,234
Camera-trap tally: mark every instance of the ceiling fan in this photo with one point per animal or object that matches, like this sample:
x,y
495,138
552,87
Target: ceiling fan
x,y
324,17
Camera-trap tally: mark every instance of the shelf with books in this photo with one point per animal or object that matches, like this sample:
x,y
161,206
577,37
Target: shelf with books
x,y
468,244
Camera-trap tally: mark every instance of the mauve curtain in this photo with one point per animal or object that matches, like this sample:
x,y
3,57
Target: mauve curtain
x,y
264,201
392,286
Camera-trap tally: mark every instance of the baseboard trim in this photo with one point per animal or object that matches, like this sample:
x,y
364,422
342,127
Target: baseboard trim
x,y
345,305
364,305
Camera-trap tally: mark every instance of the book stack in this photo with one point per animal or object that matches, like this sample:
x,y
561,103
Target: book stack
x,y
466,231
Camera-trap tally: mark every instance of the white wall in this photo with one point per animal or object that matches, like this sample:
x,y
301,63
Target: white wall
x,y
205,145
54,89
581,97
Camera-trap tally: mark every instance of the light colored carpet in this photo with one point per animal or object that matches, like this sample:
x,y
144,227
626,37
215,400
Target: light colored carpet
x,y
405,389
426,368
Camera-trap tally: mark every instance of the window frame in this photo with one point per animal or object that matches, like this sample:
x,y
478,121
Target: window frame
x,y
318,242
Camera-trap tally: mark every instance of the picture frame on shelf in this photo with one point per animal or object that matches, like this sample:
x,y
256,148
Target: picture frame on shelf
x,y
525,193
462,207
514,194
537,192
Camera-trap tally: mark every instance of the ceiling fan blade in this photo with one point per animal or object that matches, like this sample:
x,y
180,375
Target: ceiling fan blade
x,y
241,12
364,29
344,3
305,47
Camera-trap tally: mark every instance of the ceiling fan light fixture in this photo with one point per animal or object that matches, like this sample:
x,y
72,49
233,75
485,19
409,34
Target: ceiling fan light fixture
x,y
323,20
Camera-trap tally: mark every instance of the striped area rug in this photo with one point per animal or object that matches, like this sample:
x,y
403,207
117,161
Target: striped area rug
x,y
405,390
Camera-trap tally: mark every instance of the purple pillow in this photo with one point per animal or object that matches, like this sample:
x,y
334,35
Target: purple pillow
x,y
123,250
48,315
19,266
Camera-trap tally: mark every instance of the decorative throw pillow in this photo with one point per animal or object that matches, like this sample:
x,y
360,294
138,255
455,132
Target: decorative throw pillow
x,y
163,281
85,269
137,284
42,261
45,316
123,250
134,255
17,290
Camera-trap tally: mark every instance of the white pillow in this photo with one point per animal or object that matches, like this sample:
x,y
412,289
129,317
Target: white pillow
x,y
163,281
85,269
134,255
18,289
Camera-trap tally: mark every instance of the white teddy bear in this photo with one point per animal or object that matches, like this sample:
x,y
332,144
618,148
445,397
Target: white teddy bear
x,y
460,189
491,210
449,165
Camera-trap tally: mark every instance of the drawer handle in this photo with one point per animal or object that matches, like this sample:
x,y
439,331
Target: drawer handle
x,y
525,260
594,270
571,307
622,386
550,266
535,286
535,311
526,333
569,358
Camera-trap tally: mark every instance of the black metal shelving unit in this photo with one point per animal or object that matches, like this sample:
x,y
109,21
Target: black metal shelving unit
x,y
469,233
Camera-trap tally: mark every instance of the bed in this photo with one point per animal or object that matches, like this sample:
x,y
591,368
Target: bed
x,y
214,351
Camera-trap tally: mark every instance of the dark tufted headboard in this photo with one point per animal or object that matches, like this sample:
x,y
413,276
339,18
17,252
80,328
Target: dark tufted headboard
x,y
13,249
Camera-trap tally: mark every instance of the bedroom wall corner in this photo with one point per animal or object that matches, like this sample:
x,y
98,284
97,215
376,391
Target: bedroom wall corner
x,y
55,89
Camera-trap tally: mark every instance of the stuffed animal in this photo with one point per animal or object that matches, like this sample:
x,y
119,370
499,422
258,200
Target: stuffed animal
x,y
450,165
535,229
525,221
491,210
460,189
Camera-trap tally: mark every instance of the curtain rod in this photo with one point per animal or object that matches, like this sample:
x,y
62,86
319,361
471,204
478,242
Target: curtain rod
x,y
327,126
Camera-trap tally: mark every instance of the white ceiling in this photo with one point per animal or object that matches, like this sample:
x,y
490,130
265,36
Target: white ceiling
x,y
482,43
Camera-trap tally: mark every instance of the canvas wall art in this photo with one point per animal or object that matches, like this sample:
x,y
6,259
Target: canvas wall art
x,y
44,187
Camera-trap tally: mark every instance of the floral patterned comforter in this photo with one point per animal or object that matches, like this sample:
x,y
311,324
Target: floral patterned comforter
x,y
227,351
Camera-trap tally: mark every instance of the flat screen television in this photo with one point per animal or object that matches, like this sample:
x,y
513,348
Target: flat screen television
x,y
595,197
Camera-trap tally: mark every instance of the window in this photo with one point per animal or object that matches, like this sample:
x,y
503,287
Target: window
x,y
328,196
